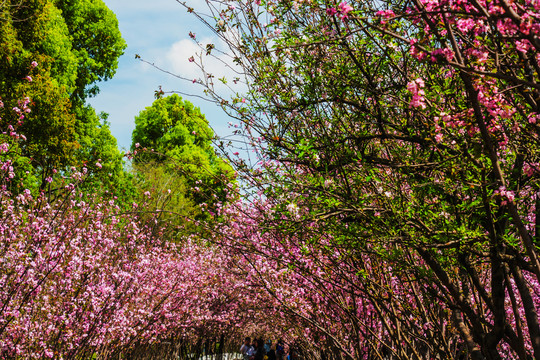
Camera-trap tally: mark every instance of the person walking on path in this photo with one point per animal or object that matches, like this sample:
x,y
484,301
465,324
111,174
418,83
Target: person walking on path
x,y
267,346
244,349
272,353
251,350
280,350
259,351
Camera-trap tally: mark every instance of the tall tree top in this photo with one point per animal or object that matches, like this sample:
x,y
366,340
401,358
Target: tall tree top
x,y
96,41
181,139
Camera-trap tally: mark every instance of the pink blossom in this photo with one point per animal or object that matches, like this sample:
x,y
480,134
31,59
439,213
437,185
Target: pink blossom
x,y
344,10
465,25
447,53
416,87
507,195
386,13
523,45
533,118
415,52
331,11
430,5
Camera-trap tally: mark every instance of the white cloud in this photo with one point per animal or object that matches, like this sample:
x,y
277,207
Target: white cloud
x,y
219,64
177,58
143,6
158,31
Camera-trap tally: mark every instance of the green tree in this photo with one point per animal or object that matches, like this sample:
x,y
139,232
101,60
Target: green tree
x,y
74,44
164,194
177,138
35,32
98,152
96,42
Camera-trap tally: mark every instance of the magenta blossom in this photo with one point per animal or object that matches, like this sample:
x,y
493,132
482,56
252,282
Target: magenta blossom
x,y
386,14
416,88
344,10
331,11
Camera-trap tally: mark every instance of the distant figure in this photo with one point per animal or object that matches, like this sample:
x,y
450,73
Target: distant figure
x,y
244,349
292,354
259,350
272,353
251,350
280,350
267,346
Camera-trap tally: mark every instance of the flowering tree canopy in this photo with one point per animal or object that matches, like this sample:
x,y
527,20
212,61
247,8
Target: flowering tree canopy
x,y
407,131
391,211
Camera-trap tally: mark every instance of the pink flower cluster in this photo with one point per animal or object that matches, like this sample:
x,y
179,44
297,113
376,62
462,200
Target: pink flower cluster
x,y
342,11
505,194
77,278
385,14
416,88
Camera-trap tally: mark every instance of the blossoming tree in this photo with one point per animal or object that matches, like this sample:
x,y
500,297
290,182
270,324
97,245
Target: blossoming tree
x,y
80,278
407,130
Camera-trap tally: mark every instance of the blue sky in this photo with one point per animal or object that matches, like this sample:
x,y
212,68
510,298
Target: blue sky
x,y
158,31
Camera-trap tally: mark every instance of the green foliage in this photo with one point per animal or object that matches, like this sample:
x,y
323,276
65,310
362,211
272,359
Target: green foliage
x,y
98,152
43,33
96,42
165,191
43,38
177,137
50,127
75,44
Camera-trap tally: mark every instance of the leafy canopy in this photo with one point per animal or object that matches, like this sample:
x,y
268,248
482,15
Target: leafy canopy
x,y
178,138
73,44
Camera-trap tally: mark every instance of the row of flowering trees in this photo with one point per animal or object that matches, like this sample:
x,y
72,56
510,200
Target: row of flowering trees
x,y
80,278
358,301
398,169
394,204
